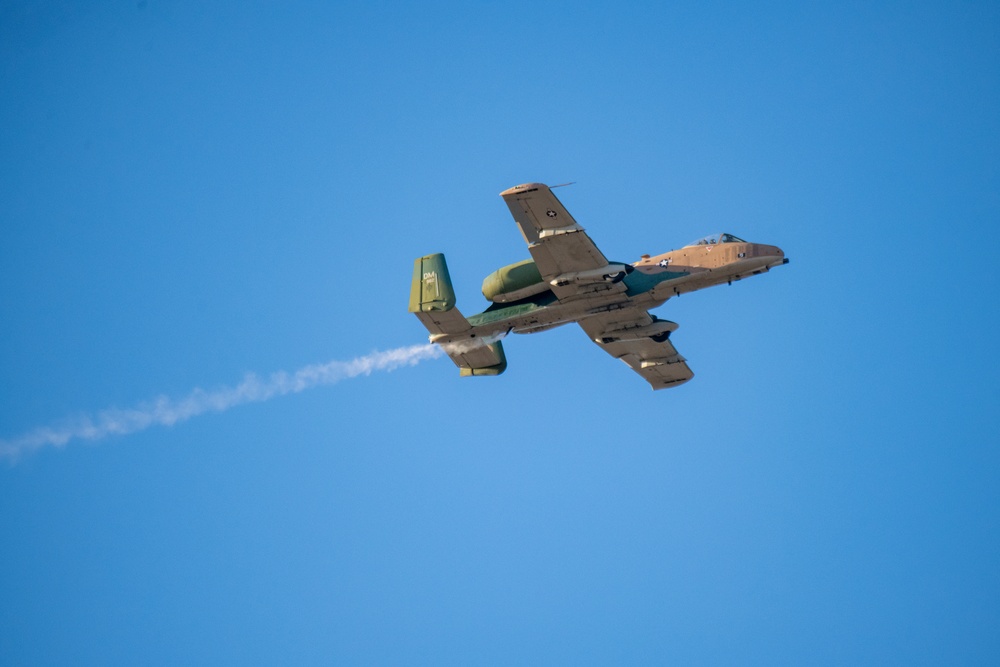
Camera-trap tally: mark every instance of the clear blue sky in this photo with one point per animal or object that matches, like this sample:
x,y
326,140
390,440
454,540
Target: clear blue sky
x,y
189,193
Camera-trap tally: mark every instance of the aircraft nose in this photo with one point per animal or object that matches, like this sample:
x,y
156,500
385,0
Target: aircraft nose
x,y
774,255
768,251
771,255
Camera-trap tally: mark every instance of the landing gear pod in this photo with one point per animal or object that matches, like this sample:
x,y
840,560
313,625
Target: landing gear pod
x,y
612,273
659,331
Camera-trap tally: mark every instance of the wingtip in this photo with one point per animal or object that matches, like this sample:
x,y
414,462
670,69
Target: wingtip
x,y
524,187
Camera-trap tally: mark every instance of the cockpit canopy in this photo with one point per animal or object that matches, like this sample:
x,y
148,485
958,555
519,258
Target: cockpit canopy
x,y
716,239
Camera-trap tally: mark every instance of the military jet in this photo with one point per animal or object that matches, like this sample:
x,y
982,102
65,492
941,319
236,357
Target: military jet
x,y
568,280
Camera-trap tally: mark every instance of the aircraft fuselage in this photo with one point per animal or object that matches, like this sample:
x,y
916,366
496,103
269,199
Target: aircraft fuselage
x,y
650,283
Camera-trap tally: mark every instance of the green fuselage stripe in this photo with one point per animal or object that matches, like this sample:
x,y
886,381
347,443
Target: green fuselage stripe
x,y
640,283
499,312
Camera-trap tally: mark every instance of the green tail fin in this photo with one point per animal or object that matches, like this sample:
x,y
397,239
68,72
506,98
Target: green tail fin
x,y
431,287
432,300
491,354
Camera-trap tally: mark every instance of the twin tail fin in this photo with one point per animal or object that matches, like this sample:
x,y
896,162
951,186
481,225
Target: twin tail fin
x,y
432,300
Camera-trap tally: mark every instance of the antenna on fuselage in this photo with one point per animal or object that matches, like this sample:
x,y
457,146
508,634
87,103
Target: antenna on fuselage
x,y
562,185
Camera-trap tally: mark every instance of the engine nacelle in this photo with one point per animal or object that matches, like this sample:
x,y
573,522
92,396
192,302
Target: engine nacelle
x,y
659,331
514,282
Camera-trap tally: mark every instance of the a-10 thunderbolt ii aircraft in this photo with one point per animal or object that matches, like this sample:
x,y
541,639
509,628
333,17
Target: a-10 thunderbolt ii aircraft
x,y
568,280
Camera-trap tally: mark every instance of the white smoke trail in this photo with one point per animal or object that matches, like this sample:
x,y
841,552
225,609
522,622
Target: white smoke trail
x,y
165,411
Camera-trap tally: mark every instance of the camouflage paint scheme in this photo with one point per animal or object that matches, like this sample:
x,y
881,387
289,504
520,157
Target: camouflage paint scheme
x,y
569,280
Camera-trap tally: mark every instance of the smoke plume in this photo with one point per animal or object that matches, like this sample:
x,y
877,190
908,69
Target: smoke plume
x,y
165,411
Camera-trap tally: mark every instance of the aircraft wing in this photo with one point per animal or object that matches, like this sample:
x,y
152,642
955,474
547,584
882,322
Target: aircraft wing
x,y
657,362
556,242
